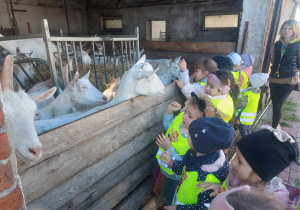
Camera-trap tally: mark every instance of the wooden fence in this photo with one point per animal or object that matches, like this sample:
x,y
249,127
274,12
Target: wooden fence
x,y
97,161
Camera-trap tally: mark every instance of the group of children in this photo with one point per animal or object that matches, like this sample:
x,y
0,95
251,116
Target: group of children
x,y
193,166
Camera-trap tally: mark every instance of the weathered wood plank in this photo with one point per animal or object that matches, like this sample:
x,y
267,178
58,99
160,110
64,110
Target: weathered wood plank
x,y
65,137
195,47
63,196
59,168
152,204
120,191
135,199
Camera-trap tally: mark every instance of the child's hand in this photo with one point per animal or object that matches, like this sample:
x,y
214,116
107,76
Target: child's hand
x,y
182,65
180,83
210,186
163,141
170,207
173,107
165,157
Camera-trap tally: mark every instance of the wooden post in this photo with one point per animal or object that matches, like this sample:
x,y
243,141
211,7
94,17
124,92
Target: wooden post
x,y
47,41
245,38
29,27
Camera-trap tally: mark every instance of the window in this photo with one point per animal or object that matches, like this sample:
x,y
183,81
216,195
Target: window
x,y
212,21
112,23
156,30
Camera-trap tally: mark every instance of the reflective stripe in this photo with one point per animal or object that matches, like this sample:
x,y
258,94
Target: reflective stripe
x,y
246,114
247,120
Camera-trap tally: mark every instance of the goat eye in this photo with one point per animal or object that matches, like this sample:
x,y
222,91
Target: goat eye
x,y
84,87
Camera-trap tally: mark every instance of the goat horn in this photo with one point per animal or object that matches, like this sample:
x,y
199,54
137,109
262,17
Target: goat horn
x,y
6,75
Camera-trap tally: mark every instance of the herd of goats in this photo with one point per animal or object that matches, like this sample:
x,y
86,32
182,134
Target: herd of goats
x,y
36,111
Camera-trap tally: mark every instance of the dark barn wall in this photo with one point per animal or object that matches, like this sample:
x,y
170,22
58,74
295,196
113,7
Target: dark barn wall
x,y
33,11
183,21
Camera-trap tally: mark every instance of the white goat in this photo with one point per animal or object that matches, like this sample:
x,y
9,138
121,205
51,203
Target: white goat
x,y
86,59
20,110
78,92
111,88
138,80
35,45
168,70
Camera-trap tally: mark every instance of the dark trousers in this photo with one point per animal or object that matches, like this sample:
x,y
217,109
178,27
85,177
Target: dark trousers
x,y
279,94
167,190
245,130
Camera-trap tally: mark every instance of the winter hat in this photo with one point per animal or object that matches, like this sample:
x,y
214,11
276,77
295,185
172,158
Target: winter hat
x,y
258,79
236,58
268,151
210,134
248,60
224,63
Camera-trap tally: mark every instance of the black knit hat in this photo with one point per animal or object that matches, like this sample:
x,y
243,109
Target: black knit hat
x,y
210,134
224,62
266,154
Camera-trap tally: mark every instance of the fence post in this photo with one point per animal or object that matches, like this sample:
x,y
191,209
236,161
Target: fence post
x,y
137,44
50,57
11,194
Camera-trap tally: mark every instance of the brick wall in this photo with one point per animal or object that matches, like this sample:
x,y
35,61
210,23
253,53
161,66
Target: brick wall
x,y
11,195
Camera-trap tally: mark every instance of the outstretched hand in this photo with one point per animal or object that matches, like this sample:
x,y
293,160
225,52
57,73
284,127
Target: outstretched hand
x,y
174,106
180,83
182,65
165,157
163,141
210,186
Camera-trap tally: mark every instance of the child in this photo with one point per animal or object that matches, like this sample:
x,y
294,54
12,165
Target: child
x,y
240,77
260,156
203,67
175,138
224,63
248,62
207,137
217,90
244,198
247,107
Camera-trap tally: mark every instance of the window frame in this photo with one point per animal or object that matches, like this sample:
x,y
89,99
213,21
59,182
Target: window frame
x,y
216,13
112,18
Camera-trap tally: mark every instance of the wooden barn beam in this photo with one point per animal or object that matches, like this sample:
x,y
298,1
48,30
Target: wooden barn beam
x,y
191,47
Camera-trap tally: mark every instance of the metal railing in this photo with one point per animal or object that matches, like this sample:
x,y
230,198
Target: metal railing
x,y
122,48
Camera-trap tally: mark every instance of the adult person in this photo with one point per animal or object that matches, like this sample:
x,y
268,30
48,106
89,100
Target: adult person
x,y
285,67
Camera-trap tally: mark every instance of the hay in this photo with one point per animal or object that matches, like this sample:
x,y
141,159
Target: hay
x,y
100,73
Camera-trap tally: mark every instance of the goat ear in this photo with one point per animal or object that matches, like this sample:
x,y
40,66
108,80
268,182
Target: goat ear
x,y
176,60
170,62
88,51
75,79
17,87
156,70
144,74
30,53
44,96
87,75
142,60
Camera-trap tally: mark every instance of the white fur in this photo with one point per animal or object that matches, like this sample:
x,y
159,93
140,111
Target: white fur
x,y
168,71
78,92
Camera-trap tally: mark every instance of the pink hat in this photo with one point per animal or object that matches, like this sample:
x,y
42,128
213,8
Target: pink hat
x,y
220,202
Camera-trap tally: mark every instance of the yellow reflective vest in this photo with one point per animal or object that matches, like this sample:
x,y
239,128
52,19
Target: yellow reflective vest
x,y
245,83
225,106
248,114
178,142
187,192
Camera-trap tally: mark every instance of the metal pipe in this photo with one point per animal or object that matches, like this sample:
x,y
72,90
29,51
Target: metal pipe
x,y
93,48
67,16
61,65
114,58
80,48
106,79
